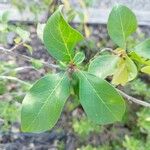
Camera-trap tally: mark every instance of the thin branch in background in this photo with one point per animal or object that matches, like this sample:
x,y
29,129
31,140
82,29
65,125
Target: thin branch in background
x,y
132,99
19,69
15,79
126,96
17,46
24,57
30,59
108,49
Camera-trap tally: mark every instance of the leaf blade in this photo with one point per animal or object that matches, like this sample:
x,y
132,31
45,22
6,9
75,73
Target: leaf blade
x,y
121,23
79,58
143,49
47,97
103,66
60,38
146,69
101,106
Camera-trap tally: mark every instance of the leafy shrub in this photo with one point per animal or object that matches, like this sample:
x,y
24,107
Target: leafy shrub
x,y
101,101
144,120
57,86
131,143
84,127
2,88
49,94
140,88
9,114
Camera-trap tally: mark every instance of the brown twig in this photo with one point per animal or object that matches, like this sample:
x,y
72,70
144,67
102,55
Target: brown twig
x,y
132,99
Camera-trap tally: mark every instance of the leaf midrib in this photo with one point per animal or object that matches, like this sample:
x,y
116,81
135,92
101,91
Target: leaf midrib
x,y
46,101
122,28
99,96
64,42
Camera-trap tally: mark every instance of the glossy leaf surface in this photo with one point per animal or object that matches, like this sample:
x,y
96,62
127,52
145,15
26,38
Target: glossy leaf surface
x,y
121,24
43,104
146,69
101,102
79,58
60,38
103,66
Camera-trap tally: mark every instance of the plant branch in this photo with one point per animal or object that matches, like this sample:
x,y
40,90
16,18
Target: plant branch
x,y
30,59
14,79
17,46
19,69
24,57
108,49
132,99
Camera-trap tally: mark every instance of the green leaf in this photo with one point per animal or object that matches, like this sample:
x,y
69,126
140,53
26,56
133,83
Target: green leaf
x,y
5,16
78,58
121,74
60,38
44,102
29,47
146,69
25,35
121,24
101,102
143,49
134,56
17,40
103,66
132,69
125,72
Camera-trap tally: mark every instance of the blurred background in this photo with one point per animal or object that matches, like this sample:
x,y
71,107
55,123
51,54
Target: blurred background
x,y
23,21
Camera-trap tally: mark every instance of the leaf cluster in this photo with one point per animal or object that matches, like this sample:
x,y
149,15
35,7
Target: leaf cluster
x,y
43,104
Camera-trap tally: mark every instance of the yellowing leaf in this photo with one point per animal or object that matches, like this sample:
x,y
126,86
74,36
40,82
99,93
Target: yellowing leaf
x,y
30,49
138,58
146,69
125,72
121,74
104,65
17,40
